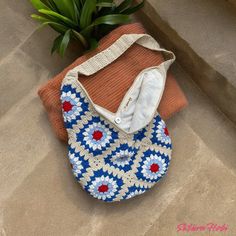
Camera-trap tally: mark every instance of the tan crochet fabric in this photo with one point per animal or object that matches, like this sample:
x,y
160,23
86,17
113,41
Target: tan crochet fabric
x,y
108,86
87,160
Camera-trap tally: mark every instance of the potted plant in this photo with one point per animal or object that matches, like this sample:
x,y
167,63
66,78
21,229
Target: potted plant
x,y
85,21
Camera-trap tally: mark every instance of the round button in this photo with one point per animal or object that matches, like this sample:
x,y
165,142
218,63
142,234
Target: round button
x,y
117,120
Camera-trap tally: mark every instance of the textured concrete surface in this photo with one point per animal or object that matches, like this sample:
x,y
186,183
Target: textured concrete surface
x,y
39,195
203,34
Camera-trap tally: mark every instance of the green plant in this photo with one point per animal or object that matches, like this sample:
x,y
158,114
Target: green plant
x,y
83,20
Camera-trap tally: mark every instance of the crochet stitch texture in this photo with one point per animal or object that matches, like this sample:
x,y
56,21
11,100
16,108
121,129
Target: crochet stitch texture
x,y
115,160
110,164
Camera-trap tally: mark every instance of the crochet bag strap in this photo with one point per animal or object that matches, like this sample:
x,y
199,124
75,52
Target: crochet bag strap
x,y
107,56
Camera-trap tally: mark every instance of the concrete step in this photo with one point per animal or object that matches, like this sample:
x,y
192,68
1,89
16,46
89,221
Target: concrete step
x,y
202,33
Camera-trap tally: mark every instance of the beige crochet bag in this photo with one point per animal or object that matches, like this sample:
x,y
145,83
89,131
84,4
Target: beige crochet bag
x,y
116,156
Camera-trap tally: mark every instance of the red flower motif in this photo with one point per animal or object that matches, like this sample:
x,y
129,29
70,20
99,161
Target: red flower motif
x,y
154,168
166,131
97,135
103,188
67,106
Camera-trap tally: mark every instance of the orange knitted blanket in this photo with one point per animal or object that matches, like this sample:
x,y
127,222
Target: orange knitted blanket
x,y
108,87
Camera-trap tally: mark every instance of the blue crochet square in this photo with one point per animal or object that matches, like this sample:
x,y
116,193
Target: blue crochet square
x,y
122,157
140,135
104,186
153,166
134,191
160,133
74,105
96,136
79,164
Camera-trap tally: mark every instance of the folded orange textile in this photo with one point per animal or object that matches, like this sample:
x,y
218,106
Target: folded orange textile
x,y
108,87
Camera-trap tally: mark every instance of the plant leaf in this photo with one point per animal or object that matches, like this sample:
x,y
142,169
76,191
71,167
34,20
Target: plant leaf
x,y
56,26
86,13
131,10
110,1
84,20
124,5
48,21
76,13
51,5
64,42
82,2
106,10
66,8
114,19
56,44
81,38
40,18
37,4
106,4
59,17
93,43
79,4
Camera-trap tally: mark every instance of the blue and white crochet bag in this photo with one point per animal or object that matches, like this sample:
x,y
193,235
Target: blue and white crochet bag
x,y
116,156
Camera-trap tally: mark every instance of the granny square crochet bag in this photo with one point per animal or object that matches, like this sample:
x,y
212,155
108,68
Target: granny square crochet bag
x,y
116,156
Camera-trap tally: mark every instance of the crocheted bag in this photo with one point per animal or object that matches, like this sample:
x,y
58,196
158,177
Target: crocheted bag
x,y
116,156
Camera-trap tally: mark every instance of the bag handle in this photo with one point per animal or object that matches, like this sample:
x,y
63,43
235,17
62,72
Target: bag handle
x,y
107,56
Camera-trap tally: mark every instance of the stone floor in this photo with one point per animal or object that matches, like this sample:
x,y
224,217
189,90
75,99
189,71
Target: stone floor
x,y
202,34
39,195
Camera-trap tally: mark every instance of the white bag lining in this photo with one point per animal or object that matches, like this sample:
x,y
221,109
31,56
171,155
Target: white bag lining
x,y
140,102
